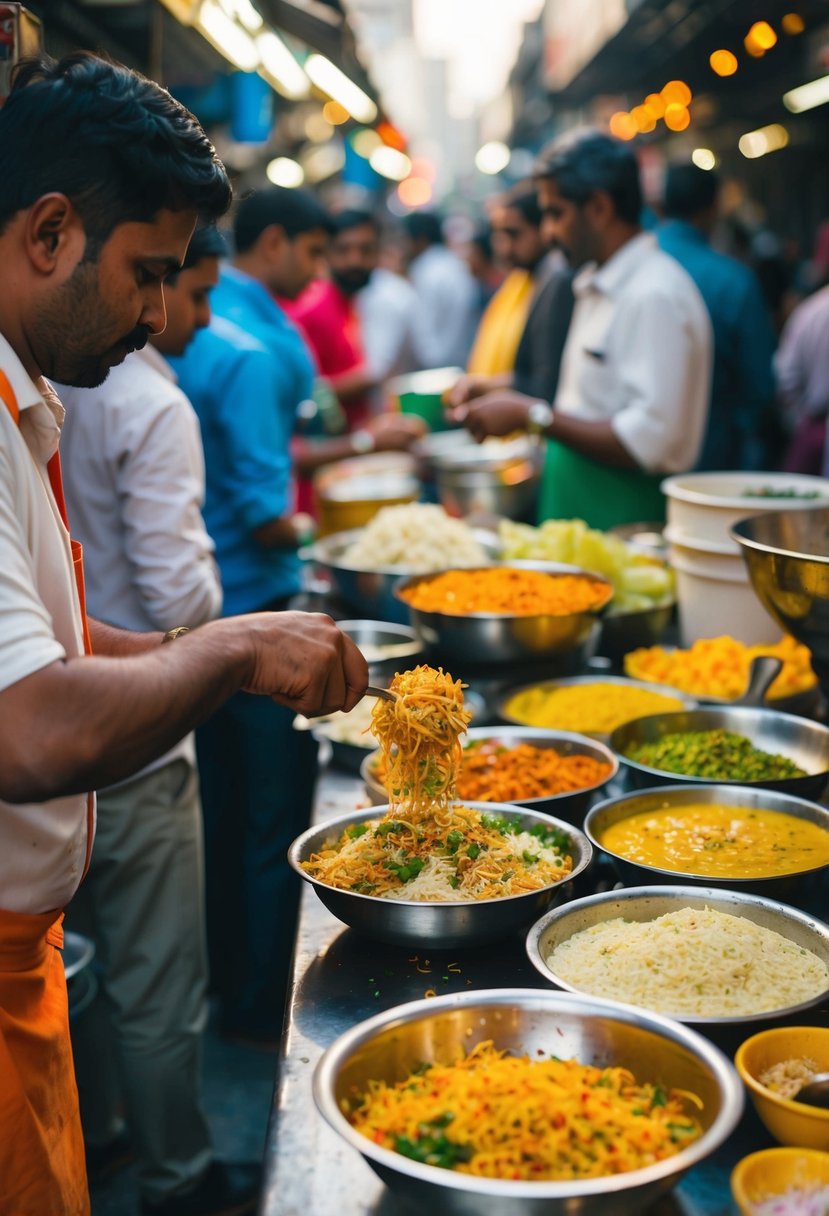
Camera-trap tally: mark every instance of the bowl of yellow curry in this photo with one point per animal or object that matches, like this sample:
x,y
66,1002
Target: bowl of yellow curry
x,y
731,836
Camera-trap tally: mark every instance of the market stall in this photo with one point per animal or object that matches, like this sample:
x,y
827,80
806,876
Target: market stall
x,y
343,976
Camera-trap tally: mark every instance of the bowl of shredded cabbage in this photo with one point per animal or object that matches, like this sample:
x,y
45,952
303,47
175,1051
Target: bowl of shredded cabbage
x,y
519,1100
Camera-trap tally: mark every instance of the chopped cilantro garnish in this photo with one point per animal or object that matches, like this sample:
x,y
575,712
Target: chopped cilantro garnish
x,y
357,830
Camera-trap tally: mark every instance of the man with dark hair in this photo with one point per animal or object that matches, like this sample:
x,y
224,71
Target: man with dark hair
x,y
84,286
521,337
742,390
134,481
635,379
447,295
247,375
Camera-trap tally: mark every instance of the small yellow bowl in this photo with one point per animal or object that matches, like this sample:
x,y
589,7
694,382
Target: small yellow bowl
x,y
789,1122
772,1172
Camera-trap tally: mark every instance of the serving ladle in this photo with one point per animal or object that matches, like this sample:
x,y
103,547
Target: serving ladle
x,y
816,1093
383,693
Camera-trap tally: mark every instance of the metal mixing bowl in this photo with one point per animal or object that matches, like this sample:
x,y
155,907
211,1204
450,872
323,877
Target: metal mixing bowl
x,y
794,886
801,740
647,903
532,1022
570,806
409,922
598,678
496,637
370,592
787,555
500,478
386,647
626,631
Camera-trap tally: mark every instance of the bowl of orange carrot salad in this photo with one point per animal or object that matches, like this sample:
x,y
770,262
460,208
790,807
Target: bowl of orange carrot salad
x,y
527,1102
504,613
555,771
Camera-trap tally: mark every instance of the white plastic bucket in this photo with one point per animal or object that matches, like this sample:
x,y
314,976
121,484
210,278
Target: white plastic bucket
x,y
715,596
705,505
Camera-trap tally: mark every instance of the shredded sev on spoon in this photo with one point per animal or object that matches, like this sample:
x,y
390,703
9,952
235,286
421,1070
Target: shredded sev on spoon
x,y
419,734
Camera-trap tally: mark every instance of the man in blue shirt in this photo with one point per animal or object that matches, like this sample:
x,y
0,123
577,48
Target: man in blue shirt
x,y
742,392
246,375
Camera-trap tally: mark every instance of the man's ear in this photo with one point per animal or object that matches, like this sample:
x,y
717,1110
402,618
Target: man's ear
x,y
271,241
53,234
600,208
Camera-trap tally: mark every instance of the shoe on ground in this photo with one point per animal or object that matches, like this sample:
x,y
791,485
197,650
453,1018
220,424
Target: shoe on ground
x,y
227,1188
104,1160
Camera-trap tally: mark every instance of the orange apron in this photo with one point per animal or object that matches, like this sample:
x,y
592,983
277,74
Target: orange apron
x,y
42,1167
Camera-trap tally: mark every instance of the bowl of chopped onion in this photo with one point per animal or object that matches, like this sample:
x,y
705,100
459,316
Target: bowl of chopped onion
x,y
782,1182
470,874
522,1101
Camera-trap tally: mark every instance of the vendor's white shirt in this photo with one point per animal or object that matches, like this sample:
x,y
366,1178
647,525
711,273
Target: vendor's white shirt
x,y
639,351
42,846
133,474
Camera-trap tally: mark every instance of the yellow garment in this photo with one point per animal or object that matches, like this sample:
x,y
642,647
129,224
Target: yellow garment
x,y
501,326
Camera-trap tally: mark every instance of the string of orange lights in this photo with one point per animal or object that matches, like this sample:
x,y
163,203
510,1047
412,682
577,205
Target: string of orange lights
x,y
671,104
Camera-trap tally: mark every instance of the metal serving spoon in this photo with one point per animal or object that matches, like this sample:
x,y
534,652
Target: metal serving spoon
x,y
816,1093
383,693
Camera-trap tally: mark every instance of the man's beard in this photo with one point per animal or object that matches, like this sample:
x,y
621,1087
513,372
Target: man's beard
x,y
66,327
351,281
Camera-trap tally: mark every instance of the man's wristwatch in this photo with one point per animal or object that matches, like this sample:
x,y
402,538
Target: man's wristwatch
x,y
363,441
539,417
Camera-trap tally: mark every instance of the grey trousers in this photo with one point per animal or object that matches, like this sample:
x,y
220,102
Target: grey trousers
x,y
138,1047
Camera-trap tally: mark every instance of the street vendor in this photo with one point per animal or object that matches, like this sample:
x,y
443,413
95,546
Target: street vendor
x,y
633,394
103,175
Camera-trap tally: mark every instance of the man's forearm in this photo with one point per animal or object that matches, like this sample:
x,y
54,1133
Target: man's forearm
x,y
101,719
120,643
595,439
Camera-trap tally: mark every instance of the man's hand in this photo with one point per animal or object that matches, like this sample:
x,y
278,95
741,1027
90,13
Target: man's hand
x,y
498,413
468,387
302,660
395,432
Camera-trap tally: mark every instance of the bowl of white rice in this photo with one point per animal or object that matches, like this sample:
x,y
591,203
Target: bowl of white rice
x,y
364,565
713,958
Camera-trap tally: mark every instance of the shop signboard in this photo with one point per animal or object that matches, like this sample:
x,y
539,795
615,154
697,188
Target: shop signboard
x,y
574,33
21,35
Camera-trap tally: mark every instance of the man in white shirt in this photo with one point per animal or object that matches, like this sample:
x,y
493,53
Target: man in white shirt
x,y
133,473
102,177
447,296
633,395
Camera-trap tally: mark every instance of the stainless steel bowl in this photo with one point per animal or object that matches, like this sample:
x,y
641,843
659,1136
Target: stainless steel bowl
x,y
501,637
787,555
489,479
386,647
370,592
570,806
409,922
532,1022
803,741
597,678
626,631
647,903
794,886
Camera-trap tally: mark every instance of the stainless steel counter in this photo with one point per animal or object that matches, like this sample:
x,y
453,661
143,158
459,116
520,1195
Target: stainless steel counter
x,y
341,979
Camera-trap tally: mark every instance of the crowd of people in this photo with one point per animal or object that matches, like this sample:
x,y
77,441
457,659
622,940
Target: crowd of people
x,y
198,372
